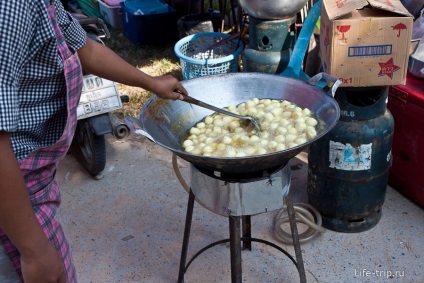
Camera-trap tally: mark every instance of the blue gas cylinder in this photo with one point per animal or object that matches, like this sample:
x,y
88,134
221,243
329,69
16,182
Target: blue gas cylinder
x,y
348,168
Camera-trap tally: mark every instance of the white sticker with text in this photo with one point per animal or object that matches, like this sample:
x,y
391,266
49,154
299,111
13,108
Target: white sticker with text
x,y
348,157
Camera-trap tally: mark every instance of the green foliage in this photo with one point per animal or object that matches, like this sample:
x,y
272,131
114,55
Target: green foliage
x,y
216,6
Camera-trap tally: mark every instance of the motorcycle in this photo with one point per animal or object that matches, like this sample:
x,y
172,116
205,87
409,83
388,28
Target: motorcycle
x,y
99,98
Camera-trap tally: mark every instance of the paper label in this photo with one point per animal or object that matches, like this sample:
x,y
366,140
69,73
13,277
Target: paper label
x,y
347,157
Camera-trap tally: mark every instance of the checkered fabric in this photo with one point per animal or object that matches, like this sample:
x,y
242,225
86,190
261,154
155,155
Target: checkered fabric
x,y
32,86
38,101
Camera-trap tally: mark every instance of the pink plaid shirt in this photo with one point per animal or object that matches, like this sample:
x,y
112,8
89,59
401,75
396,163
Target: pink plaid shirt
x,y
39,166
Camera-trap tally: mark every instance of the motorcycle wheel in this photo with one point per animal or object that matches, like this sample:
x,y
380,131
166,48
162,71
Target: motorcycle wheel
x,y
91,149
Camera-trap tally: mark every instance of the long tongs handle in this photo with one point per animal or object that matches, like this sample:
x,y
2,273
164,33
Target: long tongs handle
x,y
191,100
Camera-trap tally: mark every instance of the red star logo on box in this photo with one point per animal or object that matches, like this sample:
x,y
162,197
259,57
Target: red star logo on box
x,y
388,68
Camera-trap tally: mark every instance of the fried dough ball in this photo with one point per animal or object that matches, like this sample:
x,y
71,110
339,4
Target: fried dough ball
x,y
283,125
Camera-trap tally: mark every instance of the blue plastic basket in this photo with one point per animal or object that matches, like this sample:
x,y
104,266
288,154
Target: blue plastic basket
x,y
197,62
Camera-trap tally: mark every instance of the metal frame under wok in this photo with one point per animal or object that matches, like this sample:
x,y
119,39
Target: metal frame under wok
x,y
235,242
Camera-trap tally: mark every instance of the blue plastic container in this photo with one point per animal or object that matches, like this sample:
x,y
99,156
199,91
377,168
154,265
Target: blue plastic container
x,y
150,29
146,7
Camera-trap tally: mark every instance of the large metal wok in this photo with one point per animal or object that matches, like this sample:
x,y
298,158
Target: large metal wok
x,y
165,122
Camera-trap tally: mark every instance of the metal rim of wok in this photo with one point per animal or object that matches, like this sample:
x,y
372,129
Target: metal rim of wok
x,y
166,121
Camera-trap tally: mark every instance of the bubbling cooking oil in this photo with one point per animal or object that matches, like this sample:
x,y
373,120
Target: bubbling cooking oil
x,y
283,125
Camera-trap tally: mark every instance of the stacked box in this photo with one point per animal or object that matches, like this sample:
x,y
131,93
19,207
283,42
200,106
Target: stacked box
x,y
111,14
149,26
365,42
406,103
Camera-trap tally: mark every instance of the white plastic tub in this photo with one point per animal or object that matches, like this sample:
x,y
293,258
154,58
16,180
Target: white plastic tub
x,y
111,14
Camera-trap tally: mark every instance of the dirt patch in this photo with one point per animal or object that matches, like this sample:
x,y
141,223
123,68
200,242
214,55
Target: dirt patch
x,y
153,60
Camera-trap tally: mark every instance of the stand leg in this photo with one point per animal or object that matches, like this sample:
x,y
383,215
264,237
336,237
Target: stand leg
x,y
222,10
187,228
235,249
246,224
295,236
233,11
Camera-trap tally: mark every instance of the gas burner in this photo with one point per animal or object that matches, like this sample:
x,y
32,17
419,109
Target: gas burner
x,y
241,194
241,177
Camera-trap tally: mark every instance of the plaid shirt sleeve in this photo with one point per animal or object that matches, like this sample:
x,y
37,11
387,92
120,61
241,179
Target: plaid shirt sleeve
x,y
13,50
73,32
26,34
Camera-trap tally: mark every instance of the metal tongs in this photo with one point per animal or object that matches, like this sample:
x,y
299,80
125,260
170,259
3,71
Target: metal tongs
x,y
248,121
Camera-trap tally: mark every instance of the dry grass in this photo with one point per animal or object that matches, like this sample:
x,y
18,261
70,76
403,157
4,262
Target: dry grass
x,y
152,60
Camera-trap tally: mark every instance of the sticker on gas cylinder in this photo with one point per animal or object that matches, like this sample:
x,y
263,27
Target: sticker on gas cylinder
x,y
348,157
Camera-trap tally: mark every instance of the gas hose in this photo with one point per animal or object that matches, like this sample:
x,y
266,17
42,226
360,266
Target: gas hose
x,y
303,214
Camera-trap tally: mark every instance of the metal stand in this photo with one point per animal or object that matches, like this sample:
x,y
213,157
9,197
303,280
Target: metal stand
x,y
235,242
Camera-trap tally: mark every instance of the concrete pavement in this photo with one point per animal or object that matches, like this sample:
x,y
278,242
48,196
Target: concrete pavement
x,y
128,227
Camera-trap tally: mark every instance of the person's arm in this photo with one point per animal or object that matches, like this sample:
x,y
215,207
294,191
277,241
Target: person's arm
x,y
101,61
40,260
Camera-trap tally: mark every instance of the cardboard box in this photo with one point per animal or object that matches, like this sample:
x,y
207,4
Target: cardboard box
x,y
365,42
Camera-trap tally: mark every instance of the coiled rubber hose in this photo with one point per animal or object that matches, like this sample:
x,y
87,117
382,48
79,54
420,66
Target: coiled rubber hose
x,y
304,213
